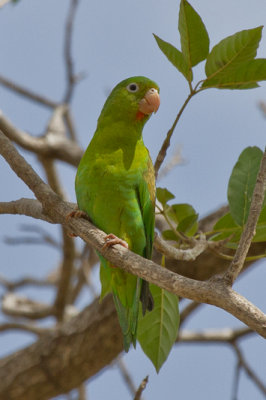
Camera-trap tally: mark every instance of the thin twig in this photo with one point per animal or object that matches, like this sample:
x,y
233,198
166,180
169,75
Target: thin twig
x,y
36,330
20,306
43,237
141,387
250,229
26,281
236,380
29,94
162,153
70,124
188,310
71,78
64,284
176,159
126,376
227,335
68,247
244,364
179,254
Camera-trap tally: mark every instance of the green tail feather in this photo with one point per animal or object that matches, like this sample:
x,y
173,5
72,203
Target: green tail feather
x,y
127,306
128,317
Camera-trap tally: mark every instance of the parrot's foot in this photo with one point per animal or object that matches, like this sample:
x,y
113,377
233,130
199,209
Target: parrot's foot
x,y
76,214
111,240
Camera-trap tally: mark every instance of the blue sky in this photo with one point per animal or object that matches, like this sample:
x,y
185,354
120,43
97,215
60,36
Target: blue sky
x,y
112,41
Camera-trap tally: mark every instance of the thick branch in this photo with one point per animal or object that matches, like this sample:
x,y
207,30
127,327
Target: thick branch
x,y
60,361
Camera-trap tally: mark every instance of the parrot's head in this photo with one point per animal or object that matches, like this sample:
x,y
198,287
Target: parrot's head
x,y
132,100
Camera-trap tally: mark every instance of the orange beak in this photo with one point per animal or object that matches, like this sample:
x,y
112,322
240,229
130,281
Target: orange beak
x,y
150,102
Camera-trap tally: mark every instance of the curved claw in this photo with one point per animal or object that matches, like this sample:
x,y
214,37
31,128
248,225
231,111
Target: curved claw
x,y
76,214
111,240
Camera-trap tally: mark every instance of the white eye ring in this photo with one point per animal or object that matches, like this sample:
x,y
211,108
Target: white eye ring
x,y
132,87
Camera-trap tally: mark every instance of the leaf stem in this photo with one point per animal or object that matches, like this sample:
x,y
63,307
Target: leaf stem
x,y
162,153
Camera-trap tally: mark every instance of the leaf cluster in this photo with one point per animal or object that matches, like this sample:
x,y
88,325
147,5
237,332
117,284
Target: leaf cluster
x,y
230,64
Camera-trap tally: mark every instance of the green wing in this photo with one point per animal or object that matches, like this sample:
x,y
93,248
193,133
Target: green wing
x,y
146,195
127,289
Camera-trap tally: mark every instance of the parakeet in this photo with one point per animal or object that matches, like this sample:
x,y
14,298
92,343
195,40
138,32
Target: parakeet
x,y
115,187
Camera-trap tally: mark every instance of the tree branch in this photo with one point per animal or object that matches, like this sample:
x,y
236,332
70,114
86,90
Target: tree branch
x,y
19,306
60,147
36,330
179,254
211,292
71,77
163,150
214,336
243,363
141,387
61,360
27,93
29,207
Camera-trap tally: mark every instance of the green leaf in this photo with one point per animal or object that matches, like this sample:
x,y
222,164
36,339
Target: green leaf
x,y
163,195
175,57
193,35
157,330
241,183
168,234
230,54
189,225
245,77
181,211
184,216
226,227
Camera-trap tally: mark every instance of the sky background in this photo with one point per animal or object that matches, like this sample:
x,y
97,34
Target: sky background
x,y
112,41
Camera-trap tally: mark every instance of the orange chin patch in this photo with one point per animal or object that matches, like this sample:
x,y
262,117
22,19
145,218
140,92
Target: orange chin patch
x,y
140,116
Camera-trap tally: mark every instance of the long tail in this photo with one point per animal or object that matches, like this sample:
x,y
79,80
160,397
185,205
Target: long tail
x,y
128,317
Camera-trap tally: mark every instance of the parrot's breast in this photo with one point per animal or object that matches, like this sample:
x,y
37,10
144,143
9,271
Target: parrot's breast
x,y
108,193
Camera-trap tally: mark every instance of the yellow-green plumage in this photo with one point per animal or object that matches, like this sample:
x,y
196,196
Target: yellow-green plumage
x,y
115,186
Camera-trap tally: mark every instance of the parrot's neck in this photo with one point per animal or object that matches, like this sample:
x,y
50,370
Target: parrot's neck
x,y
117,137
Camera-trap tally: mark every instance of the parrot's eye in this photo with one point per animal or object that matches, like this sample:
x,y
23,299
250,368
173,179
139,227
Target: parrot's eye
x,y
132,87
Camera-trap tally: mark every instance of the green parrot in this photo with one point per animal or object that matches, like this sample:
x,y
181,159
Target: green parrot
x,y
115,187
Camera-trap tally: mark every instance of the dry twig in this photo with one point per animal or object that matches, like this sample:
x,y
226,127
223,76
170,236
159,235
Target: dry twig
x,y
141,387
